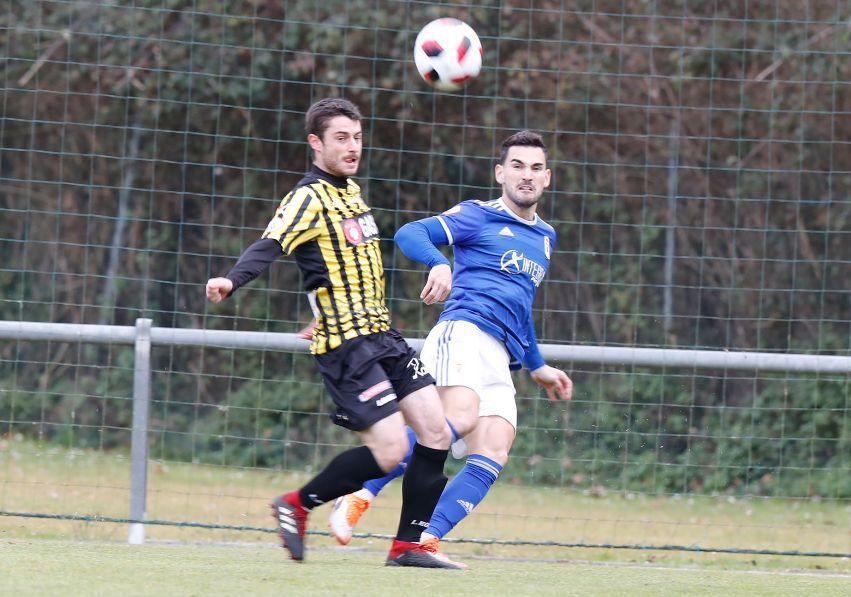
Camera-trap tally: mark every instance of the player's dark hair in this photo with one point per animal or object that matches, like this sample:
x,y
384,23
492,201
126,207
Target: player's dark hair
x,y
320,113
522,139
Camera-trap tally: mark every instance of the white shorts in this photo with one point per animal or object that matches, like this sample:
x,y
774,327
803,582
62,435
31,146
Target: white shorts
x,y
458,353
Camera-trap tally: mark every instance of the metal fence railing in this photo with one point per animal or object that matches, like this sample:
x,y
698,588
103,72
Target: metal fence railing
x,y
143,336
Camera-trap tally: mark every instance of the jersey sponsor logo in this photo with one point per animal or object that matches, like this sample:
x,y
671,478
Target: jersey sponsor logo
x,y
370,393
515,262
360,229
547,246
506,232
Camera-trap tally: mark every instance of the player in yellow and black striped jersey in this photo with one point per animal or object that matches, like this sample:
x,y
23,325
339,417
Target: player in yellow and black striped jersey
x,y
325,223
375,379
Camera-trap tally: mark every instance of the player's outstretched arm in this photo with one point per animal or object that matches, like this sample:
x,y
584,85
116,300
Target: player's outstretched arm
x,y
555,381
254,261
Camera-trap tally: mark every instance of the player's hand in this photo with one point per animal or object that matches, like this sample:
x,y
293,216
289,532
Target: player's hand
x,y
555,381
218,289
438,285
307,331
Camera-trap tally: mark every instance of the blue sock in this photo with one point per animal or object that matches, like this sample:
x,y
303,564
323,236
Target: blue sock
x,y
374,486
464,492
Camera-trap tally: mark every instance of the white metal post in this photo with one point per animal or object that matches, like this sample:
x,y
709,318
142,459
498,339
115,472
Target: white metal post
x,y
139,436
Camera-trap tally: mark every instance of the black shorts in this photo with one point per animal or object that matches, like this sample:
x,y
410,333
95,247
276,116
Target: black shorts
x,y
367,376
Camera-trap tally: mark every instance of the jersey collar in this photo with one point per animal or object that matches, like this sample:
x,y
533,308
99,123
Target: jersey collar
x,y
341,182
515,216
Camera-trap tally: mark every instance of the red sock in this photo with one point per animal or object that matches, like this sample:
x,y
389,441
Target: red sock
x,y
399,547
294,499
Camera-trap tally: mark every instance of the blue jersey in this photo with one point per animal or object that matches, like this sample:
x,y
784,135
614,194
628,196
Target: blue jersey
x,y
500,260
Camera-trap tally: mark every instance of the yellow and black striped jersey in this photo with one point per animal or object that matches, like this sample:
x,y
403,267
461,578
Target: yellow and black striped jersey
x,y
325,223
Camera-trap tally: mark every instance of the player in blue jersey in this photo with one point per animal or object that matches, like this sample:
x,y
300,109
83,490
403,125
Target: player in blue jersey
x,y
502,251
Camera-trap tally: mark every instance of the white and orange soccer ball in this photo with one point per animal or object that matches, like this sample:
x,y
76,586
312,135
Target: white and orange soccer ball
x,y
448,54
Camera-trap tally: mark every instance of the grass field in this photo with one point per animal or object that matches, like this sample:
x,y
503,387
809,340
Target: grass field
x,y
39,556
46,567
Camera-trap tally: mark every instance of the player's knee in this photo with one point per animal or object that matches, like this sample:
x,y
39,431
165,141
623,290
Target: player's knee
x,y
461,405
464,422
499,456
435,434
391,452
424,413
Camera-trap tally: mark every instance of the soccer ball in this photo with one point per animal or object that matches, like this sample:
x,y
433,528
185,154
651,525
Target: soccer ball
x,y
448,54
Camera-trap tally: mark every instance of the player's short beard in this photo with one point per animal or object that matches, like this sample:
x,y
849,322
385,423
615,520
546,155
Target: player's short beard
x,y
522,202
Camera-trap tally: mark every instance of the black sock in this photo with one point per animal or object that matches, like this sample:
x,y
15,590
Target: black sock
x,y
343,475
421,488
